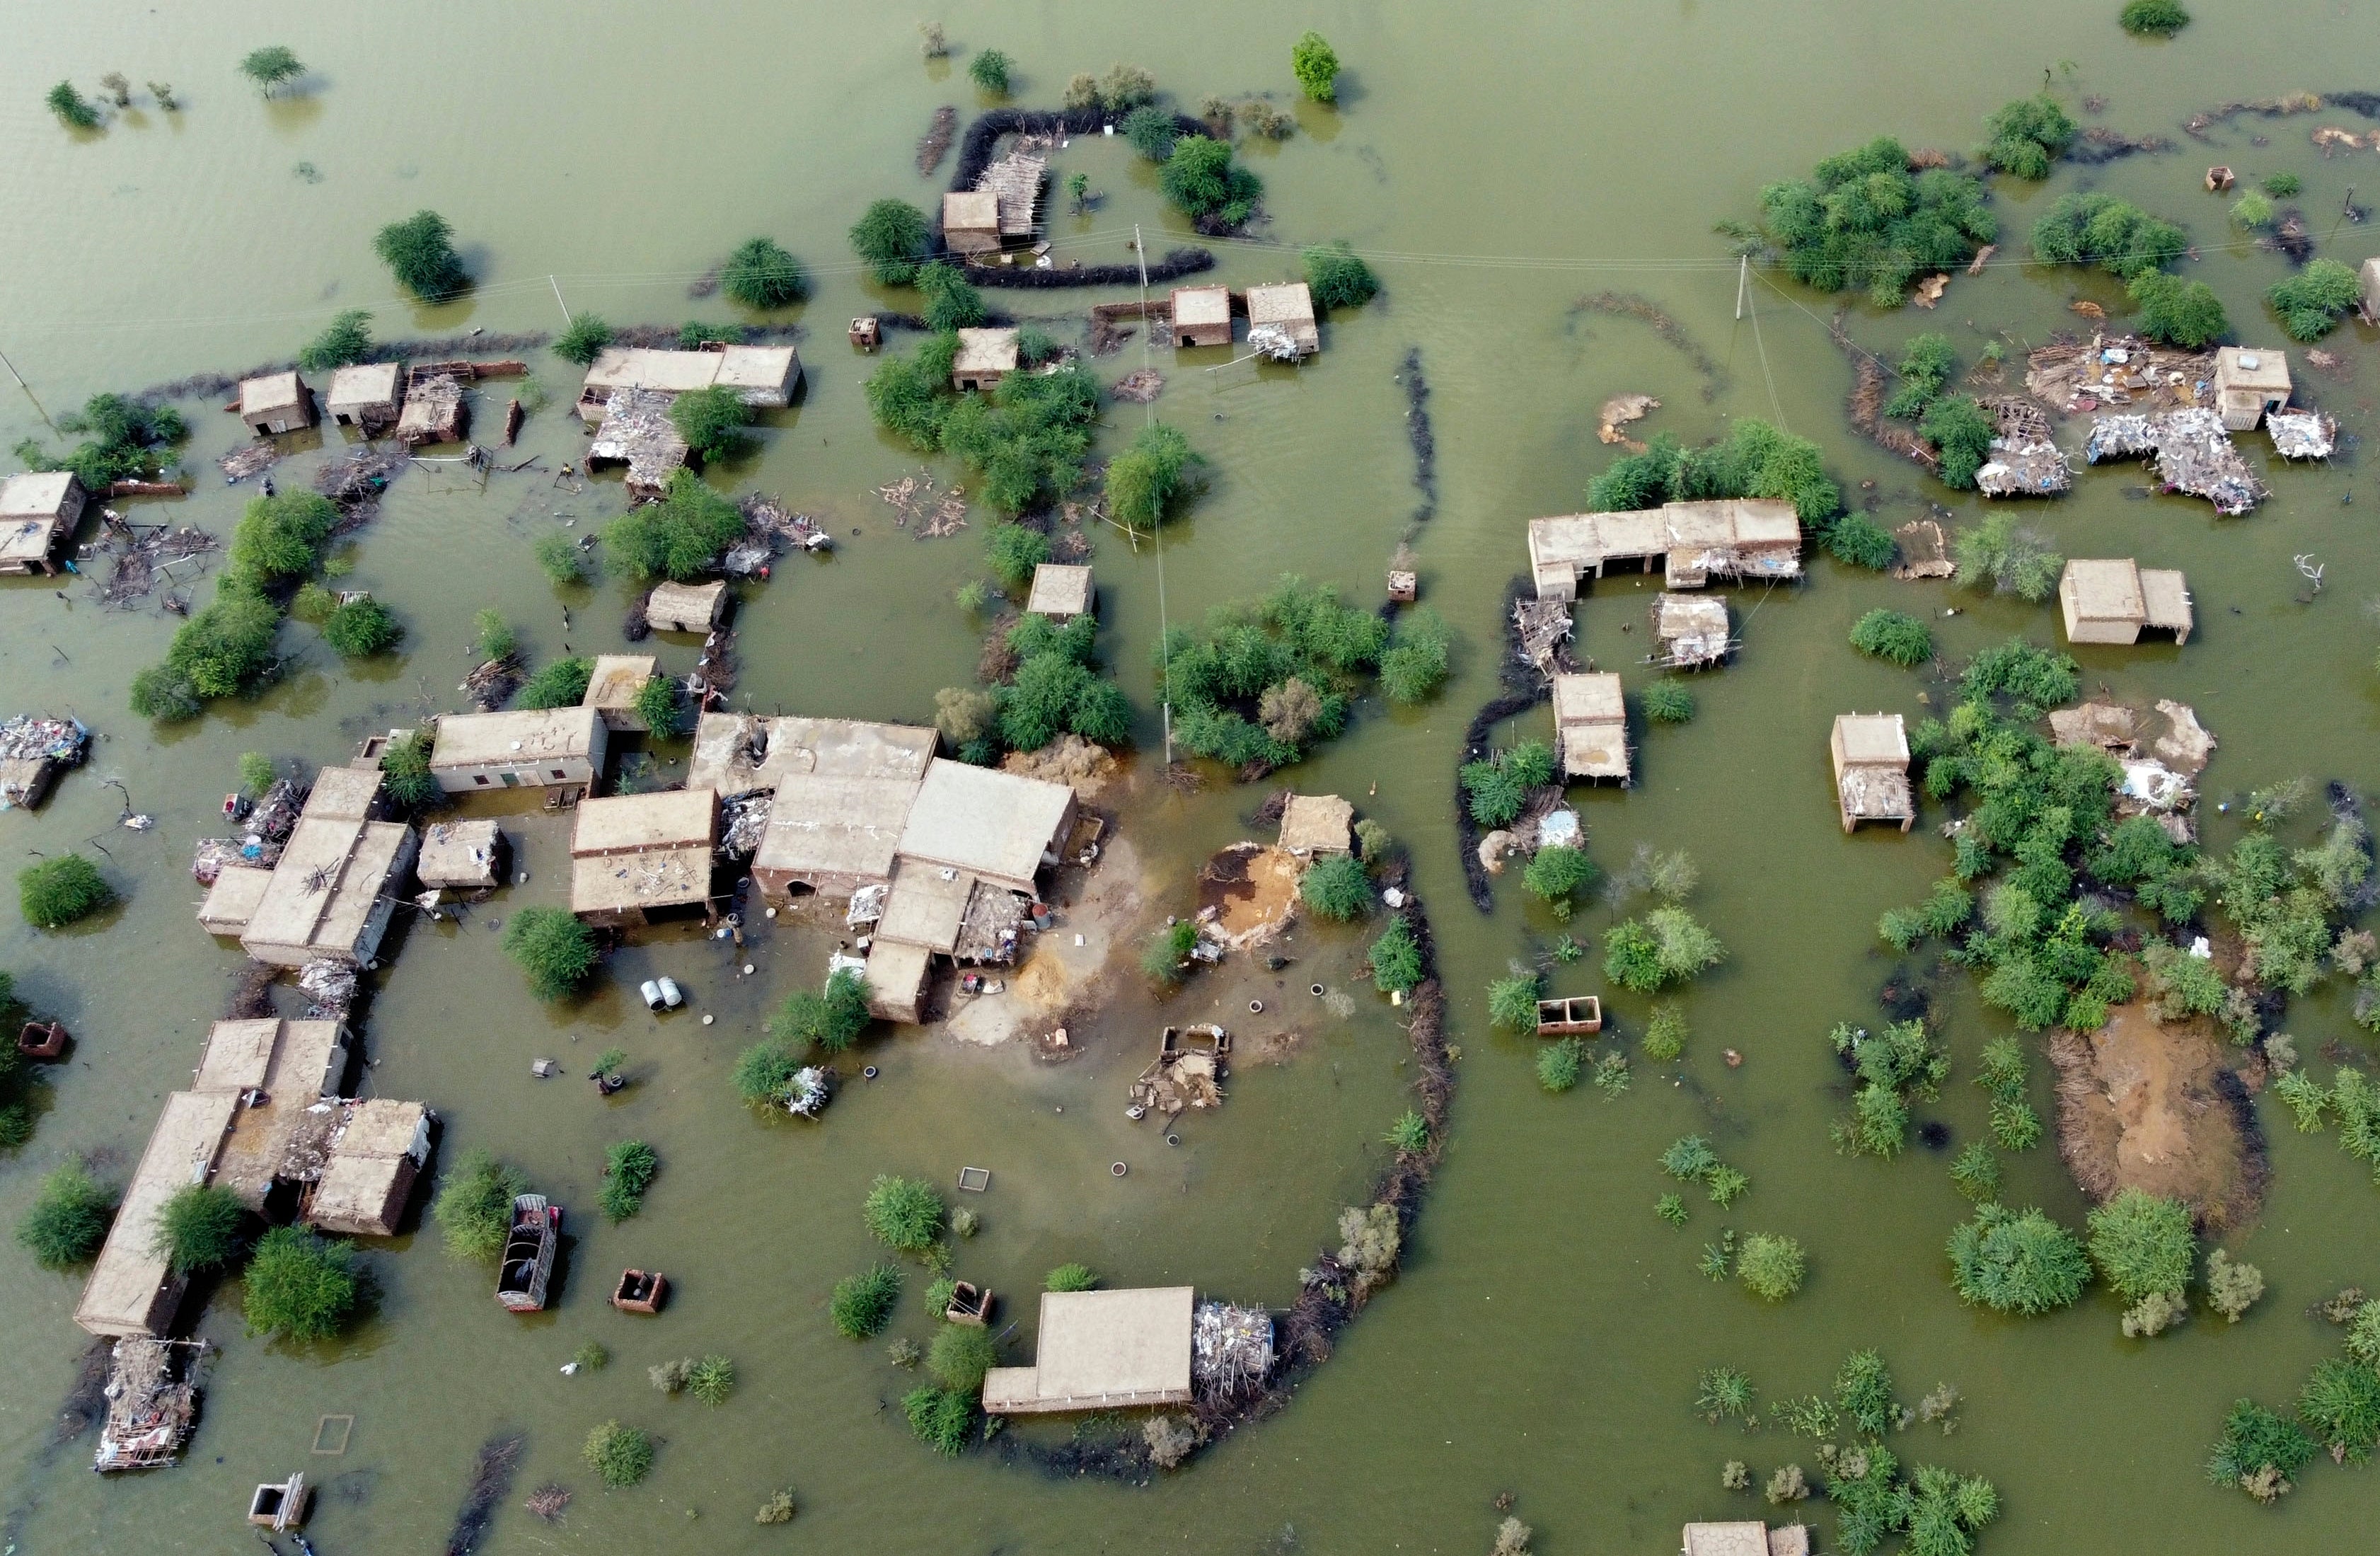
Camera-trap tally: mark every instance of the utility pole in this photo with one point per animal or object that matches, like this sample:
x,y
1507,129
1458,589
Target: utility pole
x,y
53,426
1164,628
566,319
1742,281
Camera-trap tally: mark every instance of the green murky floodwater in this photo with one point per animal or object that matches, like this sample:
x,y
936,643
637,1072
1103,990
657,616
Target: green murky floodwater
x,y
1544,1337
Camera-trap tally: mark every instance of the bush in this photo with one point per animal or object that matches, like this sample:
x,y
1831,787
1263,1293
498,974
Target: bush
x,y
1512,1003
2260,1448
1337,277
2161,18
2012,558
679,537
198,1228
1926,363
1558,874
1494,796
711,421
553,948
2283,186
2016,1261
712,1379
1151,131
1865,219
942,1418
68,1221
829,1022
1337,888
1157,465
1860,541
1666,702
558,557
2028,135
1317,68
1201,180
2178,312
1961,435
2232,1288
1166,957
584,340
1558,1064
1415,663
905,1215
268,67
2312,302
628,1170
2118,237
1668,946
2341,1403
2250,212
2142,1245
1665,1033
1888,635
58,892
951,302
1409,1134
474,1207
346,339
759,273
990,71
892,237
620,1456
282,536
1975,1172
361,628
962,1354
2033,678
1395,959
419,251
657,703
67,103
165,694
863,1303
1771,1267
124,438
764,1073
299,1287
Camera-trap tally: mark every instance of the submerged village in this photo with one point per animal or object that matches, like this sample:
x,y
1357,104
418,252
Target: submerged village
x,y
722,953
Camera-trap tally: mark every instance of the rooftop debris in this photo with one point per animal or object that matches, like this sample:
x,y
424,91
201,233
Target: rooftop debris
x,y
2301,434
356,482
2024,462
714,673
990,925
249,459
743,822
806,1098
435,411
1544,625
2190,450
141,560
1016,181
331,986
492,684
1618,413
152,1403
1231,1349
1186,1073
1924,551
637,431
2071,376
1689,631
914,497
33,750
771,527
1140,386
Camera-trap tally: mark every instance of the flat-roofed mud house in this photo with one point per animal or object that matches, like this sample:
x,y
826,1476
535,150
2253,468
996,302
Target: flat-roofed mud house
x,y
1003,826
132,1289
1315,825
1280,319
985,357
762,376
1202,315
372,1157
525,748
336,885
2112,599
1100,1350
1690,630
277,403
611,689
1871,756
1060,591
1591,724
1753,538
2249,381
971,222
366,396
684,607
842,788
633,856
461,856
39,511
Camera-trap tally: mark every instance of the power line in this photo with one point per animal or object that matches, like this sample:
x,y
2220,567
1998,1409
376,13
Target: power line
x,y
1157,526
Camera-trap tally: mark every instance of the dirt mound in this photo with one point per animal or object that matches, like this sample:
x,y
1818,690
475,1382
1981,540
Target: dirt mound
x,y
2158,1107
1069,759
1248,891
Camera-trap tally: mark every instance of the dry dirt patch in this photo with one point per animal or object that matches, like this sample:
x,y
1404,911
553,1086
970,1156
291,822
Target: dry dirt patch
x,y
2158,1107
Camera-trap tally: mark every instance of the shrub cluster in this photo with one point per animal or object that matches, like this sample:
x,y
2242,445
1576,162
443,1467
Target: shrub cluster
x,y
1890,636
58,892
760,274
828,1022
1265,681
1867,219
1667,945
299,1287
2017,1261
2027,135
419,251
2010,557
862,1304
1894,1067
474,1207
679,537
905,1215
68,1221
1337,277
1496,788
628,1170
1203,182
345,340
2312,302
553,948
892,235
1027,440
1337,888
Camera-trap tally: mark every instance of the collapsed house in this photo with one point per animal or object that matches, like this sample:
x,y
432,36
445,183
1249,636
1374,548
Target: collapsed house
x,y
1060,591
1231,1349
1689,631
633,856
1590,726
637,431
366,396
1871,755
984,358
2189,450
331,895
1281,321
435,409
1100,1350
2113,600
612,686
39,511
1188,1072
2073,376
34,752
2024,461
528,747
277,403
2161,757
2301,434
1014,185
1756,538
152,1403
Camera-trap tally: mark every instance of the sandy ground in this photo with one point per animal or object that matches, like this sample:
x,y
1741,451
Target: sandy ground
x,y
1251,890
2157,1108
1059,973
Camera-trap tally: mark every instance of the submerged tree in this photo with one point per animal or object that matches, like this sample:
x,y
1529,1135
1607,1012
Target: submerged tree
x,y
68,1221
419,251
299,1287
269,67
72,106
2028,135
891,236
553,948
760,274
58,892
2014,1261
1869,219
474,1207
346,339
1316,65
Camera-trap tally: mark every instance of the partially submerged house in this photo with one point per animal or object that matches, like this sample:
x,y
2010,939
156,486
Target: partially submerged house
x,y
935,910
435,409
39,511
1060,591
1281,321
460,856
2112,599
366,396
1591,726
2189,450
1003,826
1313,826
843,791
1747,1538
336,885
373,1156
1690,631
763,376
971,222
2248,383
634,856
1692,542
1871,754
685,607
637,431
34,749
611,689
985,357
1202,315
528,747
132,1288
277,403
1100,1350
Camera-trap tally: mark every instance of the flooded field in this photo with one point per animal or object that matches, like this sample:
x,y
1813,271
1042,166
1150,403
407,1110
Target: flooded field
x,y
1535,194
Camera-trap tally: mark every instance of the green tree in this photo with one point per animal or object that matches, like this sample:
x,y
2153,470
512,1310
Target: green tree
x,y
269,67
829,1022
77,111
2017,1261
474,1207
58,892
1395,959
558,557
419,251
584,340
2312,302
1317,68
711,421
862,1304
659,706
1866,220
561,684
1558,874
361,628
2028,135
2259,1450
2010,557
905,1215
679,537
282,536
2118,237
890,236
405,769
1771,1267
1559,1062
553,948
764,1073
761,274
989,70
1202,181
620,1456
2155,19
1337,888
2184,313
1151,131
2341,1403
1889,635
1961,435
2142,1245
299,1287
1512,1003
1337,277
1416,664
1149,474
68,1221
951,302
346,339
943,1420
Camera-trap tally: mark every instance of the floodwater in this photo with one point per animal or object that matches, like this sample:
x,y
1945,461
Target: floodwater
x,y
1544,1337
